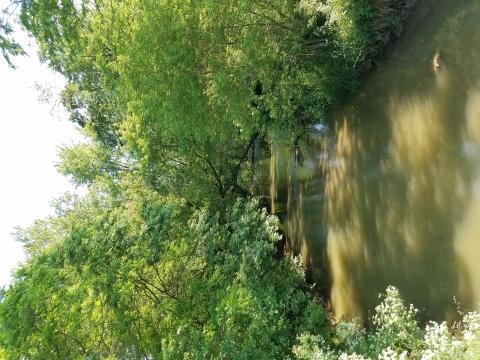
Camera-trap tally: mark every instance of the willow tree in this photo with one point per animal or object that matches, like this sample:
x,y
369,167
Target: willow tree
x,y
8,46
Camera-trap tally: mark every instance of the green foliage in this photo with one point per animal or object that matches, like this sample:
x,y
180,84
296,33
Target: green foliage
x,y
2,355
8,45
93,106
85,162
396,325
46,233
46,314
153,279
56,25
396,335
313,347
258,303
159,259
200,81
351,25
350,337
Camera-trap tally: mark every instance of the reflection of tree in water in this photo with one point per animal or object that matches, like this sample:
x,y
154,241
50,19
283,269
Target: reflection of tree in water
x,y
467,244
390,218
299,158
401,209
297,193
304,227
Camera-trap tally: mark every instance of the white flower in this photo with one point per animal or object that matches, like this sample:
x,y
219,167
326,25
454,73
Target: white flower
x,y
390,354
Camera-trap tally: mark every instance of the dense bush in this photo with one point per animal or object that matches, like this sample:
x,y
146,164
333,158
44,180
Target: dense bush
x,y
396,335
119,274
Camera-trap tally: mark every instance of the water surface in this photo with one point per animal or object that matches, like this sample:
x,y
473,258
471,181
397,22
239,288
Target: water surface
x,y
390,193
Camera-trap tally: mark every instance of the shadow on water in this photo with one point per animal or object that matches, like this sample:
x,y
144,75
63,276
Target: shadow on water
x,y
390,213
396,204
391,194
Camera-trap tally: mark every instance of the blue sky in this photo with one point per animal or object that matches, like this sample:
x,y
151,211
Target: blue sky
x,y
29,140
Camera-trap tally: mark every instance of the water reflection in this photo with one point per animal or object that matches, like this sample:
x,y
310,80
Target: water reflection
x,y
394,225
467,234
296,194
421,234
391,195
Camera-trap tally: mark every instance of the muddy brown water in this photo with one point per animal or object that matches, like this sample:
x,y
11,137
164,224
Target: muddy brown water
x,y
389,192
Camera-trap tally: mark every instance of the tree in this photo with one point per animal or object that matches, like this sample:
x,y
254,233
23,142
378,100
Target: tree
x,y
117,273
159,259
8,45
199,81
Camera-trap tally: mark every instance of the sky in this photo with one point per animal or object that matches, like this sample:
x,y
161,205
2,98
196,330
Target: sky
x,y
29,140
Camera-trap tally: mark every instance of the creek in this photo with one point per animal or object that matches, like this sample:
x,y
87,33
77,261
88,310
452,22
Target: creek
x,y
387,190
